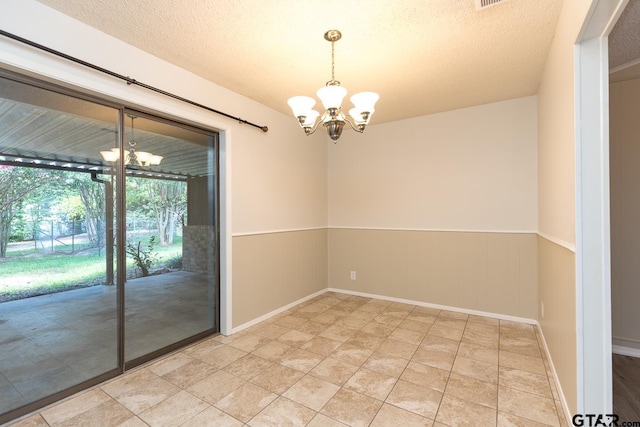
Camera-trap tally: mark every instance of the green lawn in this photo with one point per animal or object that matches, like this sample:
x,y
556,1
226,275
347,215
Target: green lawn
x,y
32,273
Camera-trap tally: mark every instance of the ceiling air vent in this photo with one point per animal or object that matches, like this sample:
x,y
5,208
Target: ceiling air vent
x,y
483,4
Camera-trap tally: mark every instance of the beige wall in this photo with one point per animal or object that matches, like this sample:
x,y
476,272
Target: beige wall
x,y
556,198
472,169
489,272
557,291
624,109
274,269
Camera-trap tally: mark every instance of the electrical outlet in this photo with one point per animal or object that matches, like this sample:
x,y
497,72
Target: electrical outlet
x,y
542,309
353,275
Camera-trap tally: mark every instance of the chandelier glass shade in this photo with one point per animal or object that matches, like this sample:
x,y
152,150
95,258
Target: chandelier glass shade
x,y
332,95
132,157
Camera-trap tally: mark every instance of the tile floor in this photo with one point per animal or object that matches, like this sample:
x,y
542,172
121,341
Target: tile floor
x,y
331,361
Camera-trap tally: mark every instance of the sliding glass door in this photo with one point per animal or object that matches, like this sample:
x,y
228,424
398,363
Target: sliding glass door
x,y
108,256
171,243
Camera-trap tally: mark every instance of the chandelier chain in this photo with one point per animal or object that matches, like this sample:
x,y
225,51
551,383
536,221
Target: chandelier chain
x,y
333,67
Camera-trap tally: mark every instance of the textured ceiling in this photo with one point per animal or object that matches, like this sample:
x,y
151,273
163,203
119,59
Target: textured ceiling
x,y
421,56
624,40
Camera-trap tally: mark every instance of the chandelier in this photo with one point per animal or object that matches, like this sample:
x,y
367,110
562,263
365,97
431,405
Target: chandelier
x,y
331,95
132,157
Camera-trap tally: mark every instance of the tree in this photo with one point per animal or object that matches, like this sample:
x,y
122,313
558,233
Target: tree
x,y
169,202
16,184
92,196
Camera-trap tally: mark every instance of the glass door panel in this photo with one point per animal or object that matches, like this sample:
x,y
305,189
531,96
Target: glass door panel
x,y
58,300
171,236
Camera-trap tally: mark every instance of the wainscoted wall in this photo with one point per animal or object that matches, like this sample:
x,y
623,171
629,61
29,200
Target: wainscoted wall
x,y
558,293
491,272
275,269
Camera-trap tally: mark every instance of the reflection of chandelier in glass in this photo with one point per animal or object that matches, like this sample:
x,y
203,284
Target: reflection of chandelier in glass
x,y
133,157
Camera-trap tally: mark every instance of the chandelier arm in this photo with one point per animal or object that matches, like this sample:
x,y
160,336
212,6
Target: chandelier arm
x,y
315,126
357,128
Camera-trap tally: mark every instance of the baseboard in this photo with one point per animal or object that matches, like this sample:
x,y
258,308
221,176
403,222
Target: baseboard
x,y
563,400
625,351
275,312
437,306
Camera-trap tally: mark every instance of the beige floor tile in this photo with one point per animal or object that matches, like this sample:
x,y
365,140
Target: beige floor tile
x,y
295,338
324,421
510,420
527,405
245,402
409,336
366,340
522,362
449,322
388,319
397,348
270,331
525,381
458,412
301,360
74,406
215,386
311,327
491,329
189,374
454,314
371,383
219,357
334,371
433,342
352,354
482,371
351,408
277,379
250,342
170,363
311,392
435,358
363,315
337,333
31,421
413,325
207,345
386,364
390,415
426,375
483,319
518,334
321,346
427,310
212,417
144,395
131,381
473,390
439,330
477,352
248,367
426,318
283,412
328,317
414,398
376,329
351,322
482,332
290,321
107,414
516,325
274,351
174,410
521,346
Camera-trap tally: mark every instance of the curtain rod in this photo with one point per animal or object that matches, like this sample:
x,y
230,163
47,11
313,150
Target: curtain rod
x,y
127,79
